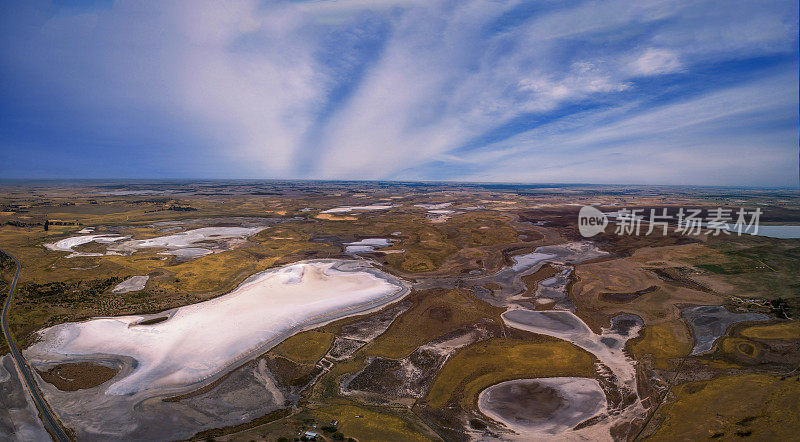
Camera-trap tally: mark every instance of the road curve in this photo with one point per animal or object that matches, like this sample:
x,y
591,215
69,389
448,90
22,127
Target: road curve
x,y
48,419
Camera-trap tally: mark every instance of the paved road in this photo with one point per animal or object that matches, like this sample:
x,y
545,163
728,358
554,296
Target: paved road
x,y
49,421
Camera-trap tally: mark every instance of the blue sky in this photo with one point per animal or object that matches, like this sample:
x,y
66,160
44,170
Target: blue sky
x,y
645,92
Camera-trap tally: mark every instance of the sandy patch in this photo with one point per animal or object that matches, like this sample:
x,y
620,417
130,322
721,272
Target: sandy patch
x,y
331,217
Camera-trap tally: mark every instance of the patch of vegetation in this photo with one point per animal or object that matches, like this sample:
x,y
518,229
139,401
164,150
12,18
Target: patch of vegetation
x,y
3,293
483,364
783,330
217,432
307,347
734,268
773,257
758,405
61,292
288,372
7,264
364,424
755,266
664,342
736,346
435,313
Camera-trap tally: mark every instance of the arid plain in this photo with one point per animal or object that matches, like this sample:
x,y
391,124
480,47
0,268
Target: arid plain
x,y
395,311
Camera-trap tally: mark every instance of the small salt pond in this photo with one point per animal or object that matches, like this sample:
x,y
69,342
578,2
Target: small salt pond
x,y
434,206
347,209
67,244
188,253
544,407
366,245
183,245
524,262
710,322
192,237
553,290
132,284
569,253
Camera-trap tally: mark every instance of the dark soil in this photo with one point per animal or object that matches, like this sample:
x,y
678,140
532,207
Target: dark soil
x,y
626,297
531,401
152,321
675,276
77,376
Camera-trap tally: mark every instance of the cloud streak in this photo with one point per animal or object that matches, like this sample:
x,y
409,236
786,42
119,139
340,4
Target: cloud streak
x,y
468,90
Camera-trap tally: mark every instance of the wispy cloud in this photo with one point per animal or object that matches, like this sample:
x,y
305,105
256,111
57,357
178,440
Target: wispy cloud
x,y
654,61
672,143
499,91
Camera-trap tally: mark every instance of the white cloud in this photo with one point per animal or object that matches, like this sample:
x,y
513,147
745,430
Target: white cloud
x,y
655,61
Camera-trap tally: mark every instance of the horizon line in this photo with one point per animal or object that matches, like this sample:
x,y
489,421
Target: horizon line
x,y
394,181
